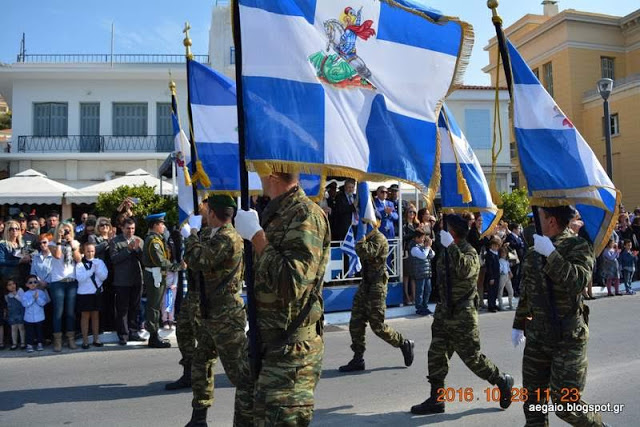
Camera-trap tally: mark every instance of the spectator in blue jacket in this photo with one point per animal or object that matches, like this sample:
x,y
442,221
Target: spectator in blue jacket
x,y
385,212
628,260
34,301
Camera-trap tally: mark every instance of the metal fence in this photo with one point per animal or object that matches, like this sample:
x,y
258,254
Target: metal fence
x,y
336,272
105,58
95,144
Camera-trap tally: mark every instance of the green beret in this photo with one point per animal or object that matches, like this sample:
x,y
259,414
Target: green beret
x,y
221,201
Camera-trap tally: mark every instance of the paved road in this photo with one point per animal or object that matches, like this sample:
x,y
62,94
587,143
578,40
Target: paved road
x,y
124,386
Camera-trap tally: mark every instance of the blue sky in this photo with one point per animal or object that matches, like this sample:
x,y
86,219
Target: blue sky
x,y
154,26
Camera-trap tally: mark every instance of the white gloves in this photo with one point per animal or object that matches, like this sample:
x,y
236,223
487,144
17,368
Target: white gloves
x,y
185,231
517,337
543,245
247,223
445,238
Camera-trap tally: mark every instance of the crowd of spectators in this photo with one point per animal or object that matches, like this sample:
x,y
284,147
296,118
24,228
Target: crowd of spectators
x,y
59,277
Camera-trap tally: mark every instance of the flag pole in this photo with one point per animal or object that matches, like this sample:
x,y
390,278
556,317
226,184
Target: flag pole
x,y
254,351
189,57
506,64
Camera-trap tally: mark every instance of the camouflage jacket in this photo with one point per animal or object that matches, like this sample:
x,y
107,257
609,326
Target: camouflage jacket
x,y
373,251
219,256
464,267
293,262
156,253
569,268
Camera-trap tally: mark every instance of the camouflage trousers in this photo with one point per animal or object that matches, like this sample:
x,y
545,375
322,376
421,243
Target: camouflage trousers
x,y
284,391
561,368
187,325
370,306
224,337
457,334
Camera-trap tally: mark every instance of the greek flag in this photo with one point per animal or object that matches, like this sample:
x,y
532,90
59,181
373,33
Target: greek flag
x,y
348,246
183,158
366,212
557,163
215,126
454,151
348,88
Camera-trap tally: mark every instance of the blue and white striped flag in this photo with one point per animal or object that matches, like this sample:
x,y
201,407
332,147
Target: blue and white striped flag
x,y
215,126
366,212
454,150
348,88
557,163
183,159
348,246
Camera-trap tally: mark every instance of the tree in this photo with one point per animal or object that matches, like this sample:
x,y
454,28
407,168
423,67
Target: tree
x,y
515,206
149,203
5,121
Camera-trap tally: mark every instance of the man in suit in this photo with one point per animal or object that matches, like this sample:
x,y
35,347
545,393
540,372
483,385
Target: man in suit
x,y
385,212
126,254
492,274
344,212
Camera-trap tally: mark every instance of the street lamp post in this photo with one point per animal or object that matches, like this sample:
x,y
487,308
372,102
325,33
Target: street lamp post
x,y
605,87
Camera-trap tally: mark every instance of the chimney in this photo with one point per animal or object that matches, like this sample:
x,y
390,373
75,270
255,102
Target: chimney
x,y
550,8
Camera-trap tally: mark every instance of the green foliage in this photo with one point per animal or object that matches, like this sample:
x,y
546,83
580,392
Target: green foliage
x,y
515,206
5,121
108,203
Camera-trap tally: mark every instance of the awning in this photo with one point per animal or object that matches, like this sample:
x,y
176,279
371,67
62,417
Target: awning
x,y
138,178
32,187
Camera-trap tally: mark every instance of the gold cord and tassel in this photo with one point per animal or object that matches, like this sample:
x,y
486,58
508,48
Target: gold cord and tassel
x,y
497,135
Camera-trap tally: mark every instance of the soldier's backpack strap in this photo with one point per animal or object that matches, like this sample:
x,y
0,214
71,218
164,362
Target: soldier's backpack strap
x,y
227,278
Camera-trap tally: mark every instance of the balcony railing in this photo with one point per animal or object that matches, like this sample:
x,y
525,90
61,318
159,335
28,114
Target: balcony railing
x,y
106,58
95,144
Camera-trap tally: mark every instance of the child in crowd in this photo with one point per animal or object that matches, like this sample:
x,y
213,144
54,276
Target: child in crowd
x,y
33,302
90,274
492,273
610,268
420,256
15,314
505,277
628,260
170,299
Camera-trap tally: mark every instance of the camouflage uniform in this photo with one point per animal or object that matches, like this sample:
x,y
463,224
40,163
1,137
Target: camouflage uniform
x,y
288,274
455,329
555,358
155,254
370,301
219,256
188,323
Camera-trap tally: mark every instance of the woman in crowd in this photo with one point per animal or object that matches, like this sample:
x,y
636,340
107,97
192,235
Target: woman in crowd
x,y
64,286
101,240
411,223
14,254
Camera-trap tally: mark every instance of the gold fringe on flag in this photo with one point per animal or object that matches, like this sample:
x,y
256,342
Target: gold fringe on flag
x,y
200,175
463,187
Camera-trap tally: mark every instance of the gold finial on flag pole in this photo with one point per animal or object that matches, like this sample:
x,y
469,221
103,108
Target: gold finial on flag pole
x,y
172,84
493,5
187,40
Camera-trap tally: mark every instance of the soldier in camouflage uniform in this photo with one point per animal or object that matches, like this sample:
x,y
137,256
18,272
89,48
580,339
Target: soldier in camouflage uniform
x,y
155,260
188,322
455,321
551,308
291,255
218,253
370,302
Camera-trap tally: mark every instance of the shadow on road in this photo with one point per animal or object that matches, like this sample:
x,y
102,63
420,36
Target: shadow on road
x,y
15,399
334,373
331,417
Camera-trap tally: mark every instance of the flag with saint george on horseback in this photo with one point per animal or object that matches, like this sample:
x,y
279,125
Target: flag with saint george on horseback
x,y
349,88
183,159
557,163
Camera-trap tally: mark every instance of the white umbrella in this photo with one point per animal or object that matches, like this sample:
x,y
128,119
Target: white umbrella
x,y
32,187
136,178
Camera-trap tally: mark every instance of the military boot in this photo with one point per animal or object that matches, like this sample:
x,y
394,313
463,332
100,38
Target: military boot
x,y
198,418
407,352
156,342
355,364
431,405
183,382
505,382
